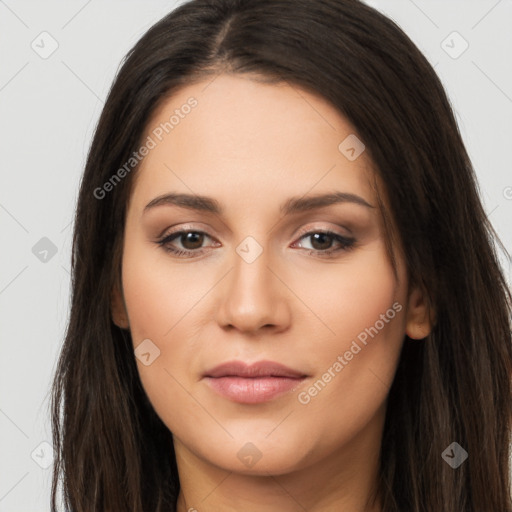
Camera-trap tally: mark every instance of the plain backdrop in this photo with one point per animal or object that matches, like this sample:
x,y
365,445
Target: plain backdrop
x,y
58,60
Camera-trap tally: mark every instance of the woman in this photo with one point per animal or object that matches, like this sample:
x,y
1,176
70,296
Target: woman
x,y
285,290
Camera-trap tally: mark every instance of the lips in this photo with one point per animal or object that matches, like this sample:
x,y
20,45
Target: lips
x,y
252,384
259,369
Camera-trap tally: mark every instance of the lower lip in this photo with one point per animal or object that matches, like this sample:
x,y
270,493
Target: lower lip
x,y
252,390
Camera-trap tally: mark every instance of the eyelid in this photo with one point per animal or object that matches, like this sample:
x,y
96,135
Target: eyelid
x,y
309,229
178,228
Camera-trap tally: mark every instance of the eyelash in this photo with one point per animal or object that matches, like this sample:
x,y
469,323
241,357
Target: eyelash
x,y
347,244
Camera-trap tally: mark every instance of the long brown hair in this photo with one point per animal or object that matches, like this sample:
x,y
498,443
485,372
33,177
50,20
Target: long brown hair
x,y
112,450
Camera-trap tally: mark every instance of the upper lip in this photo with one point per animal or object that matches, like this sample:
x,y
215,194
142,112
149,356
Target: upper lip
x,y
258,369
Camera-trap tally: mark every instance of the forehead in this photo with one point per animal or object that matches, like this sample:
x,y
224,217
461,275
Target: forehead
x,y
234,137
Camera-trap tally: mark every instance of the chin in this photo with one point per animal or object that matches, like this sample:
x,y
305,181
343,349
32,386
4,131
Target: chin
x,y
259,457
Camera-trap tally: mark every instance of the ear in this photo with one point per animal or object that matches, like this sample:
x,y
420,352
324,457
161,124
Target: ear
x,y
420,318
118,308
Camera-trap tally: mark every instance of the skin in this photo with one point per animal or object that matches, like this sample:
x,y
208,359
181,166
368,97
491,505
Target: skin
x,y
252,146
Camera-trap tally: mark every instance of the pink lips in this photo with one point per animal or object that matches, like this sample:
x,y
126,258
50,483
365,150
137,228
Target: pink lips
x,y
252,384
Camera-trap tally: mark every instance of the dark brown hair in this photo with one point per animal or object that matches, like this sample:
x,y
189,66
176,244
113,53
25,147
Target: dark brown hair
x,y
112,451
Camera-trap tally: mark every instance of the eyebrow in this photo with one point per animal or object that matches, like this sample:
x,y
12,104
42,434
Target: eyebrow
x,y
290,206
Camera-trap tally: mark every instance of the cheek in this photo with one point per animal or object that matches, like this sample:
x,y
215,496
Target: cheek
x,y
158,300
158,296
349,298
356,361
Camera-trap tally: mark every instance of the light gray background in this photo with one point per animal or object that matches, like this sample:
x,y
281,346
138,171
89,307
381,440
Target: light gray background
x,y
48,110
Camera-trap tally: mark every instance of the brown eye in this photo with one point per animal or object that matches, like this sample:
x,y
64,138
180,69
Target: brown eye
x,y
191,240
321,241
326,243
184,243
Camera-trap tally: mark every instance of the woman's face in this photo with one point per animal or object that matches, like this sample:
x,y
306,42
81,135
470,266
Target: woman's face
x,y
255,280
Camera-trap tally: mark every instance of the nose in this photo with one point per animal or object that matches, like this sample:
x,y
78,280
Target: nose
x,y
253,295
